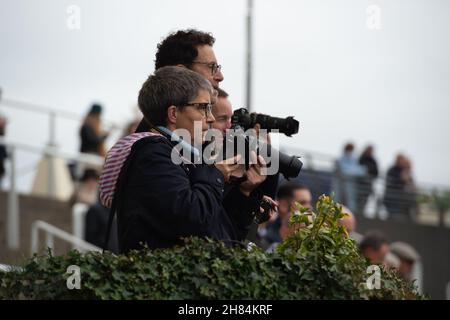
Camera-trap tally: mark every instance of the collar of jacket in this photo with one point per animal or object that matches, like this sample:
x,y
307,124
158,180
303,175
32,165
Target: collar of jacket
x,y
172,136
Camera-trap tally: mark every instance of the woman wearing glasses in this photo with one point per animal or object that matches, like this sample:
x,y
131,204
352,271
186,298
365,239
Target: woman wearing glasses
x,y
159,202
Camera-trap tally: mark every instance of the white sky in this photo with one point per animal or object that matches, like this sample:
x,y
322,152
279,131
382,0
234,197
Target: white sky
x,y
316,60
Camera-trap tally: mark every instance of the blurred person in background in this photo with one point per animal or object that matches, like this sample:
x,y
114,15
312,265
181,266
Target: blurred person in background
x,y
374,246
349,223
3,151
300,194
287,195
410,191
365,183
91,133
87,189
408,257
348,170
283,232
400,194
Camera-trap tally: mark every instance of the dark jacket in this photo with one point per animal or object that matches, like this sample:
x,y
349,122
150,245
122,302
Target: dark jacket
x,y
3,156
371,164
398,198
394,181
159,202
90,141
95,227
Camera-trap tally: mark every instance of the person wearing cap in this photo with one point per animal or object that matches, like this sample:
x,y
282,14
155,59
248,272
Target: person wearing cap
x,y
91,134
408,257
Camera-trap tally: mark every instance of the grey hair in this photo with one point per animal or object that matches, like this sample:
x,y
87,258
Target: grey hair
x,y
169,86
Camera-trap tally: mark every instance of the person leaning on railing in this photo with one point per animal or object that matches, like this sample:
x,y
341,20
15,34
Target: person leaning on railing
x,y
91,134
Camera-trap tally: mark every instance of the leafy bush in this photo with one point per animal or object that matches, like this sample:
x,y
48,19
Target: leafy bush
x,y
317,261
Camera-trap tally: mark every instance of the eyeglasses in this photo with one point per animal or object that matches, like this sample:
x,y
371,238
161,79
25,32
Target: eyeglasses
x,y
206,107
212,65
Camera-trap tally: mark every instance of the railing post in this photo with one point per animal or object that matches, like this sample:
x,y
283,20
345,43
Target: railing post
x,y
50,173
309,161
34,237
49,241
50,157
13,226
78,220
52,129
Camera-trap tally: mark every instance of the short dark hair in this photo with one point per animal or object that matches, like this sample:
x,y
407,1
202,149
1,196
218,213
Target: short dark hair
x,y
169,86
373,239
181,47
221,93
96,108
287,190
349,147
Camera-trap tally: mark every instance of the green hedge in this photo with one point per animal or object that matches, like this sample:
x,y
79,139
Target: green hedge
x,y
318,261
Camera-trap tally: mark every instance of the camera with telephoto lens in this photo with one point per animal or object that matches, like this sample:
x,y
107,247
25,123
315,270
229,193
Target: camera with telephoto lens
x,y
289,166
237,141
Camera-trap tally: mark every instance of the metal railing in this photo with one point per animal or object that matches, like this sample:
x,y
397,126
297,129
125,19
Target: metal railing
x,y
312,160
52,232
13,206
6,268
52,113
320,170
79,211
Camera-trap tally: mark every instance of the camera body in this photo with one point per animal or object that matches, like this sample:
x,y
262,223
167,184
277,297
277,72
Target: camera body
x,y
240,141
243,143
261,217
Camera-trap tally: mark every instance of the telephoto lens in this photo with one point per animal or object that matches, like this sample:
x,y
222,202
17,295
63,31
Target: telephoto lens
x,y
246,120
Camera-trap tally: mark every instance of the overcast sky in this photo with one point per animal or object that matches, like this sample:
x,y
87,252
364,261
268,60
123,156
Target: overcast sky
x,y
317,60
